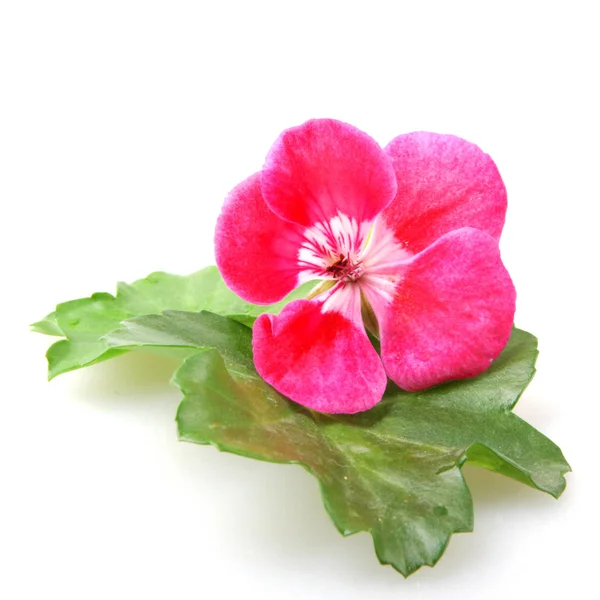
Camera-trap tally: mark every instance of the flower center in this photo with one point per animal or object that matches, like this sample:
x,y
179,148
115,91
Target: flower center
x,y
332,250
357,263
344,269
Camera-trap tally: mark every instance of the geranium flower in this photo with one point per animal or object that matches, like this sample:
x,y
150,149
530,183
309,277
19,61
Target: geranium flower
x,y
407,235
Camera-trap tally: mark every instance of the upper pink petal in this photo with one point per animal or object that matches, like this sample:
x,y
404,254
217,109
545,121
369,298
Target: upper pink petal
x,y
452,313
256,251
320,360
325,167
444,183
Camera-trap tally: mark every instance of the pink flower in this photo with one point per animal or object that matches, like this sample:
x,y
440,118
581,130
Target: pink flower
x,y
408,234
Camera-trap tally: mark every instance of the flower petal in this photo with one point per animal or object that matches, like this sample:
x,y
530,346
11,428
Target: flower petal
x,y
452,313
256,251
325,167
444,183
320,360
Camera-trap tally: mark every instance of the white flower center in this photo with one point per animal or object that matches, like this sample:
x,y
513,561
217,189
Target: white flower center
x,y
360,260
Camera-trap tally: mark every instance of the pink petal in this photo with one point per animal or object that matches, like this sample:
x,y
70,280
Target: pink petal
x,y
323,167
444,183
452,313
320,360
256,251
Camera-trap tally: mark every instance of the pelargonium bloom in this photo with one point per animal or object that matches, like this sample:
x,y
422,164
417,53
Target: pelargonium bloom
x,y
406,235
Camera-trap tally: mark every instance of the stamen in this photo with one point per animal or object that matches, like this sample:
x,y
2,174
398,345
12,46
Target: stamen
x,y
344,269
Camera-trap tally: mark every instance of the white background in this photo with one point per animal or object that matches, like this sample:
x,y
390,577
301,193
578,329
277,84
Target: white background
x,y
122,127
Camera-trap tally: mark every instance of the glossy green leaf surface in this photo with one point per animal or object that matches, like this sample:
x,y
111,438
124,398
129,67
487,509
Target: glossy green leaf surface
x,y
86,321
393,471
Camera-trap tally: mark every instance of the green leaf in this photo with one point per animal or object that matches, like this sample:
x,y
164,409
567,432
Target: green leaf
x,y
393,471
86,321
179,329
48,326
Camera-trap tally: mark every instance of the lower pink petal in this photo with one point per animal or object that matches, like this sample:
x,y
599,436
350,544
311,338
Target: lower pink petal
x,y
256,251
452,313
320,360
444,183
